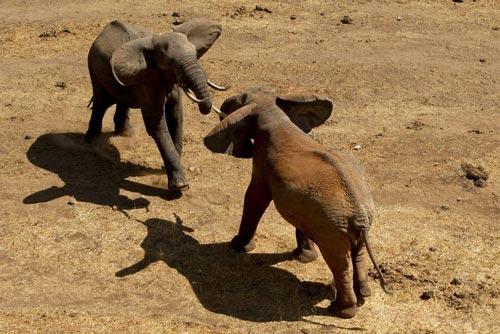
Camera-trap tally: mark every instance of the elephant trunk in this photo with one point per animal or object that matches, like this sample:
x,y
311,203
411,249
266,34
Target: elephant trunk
x,y
197,81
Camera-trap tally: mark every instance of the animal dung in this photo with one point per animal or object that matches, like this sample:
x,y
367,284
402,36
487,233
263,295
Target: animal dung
x,y
477,173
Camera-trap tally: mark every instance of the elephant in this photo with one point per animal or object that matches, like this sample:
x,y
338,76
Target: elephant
x,y
134,68
321,192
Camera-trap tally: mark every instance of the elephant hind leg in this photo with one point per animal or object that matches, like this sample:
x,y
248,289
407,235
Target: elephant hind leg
x,y
360,266
337,254
305,251
122,121
100,102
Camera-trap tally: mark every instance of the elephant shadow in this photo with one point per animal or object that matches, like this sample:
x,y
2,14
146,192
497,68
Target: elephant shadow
x,y
91,173
246,286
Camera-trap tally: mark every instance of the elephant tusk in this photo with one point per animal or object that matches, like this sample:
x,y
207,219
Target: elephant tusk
x,y
217,87
192,97
218,112
114,74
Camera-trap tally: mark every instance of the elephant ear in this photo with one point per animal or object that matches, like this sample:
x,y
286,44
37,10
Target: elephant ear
x,y
306,111
232,135
202,33
129,62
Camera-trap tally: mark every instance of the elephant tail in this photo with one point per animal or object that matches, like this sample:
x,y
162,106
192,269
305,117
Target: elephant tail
x,y
91,102
383,283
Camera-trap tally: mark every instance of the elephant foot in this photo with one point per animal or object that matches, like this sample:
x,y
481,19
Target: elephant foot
x,y
362,291
90,136
305,255
124,131
239,245
178,184
342,311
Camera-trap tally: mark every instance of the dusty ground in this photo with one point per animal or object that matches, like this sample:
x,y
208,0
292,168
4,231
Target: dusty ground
x,y
416,84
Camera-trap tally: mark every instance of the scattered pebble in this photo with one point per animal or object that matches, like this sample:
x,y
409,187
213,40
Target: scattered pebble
x,y
482,60
262,9
460,1
177,21
27,137
481,183
398,18
60,84
477,131
346,19
442,208
72,201
416,125
293,17
55,33
426,295
432,249
455,281
357,147
176,14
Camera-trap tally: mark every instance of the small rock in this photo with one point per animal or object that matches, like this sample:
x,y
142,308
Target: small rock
x,y
357,147
442,208
432,249
416,125
482,60
455,281
411,277
477,131
459,1
27,137
474,172
48,33
398,18
426,295
459,199
481,183
176,14
305,331
177,21
262,9
496,28
60,84
293,17
72,201
346,19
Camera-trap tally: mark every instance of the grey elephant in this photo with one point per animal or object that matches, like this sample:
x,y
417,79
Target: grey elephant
x,y
321,192
134,68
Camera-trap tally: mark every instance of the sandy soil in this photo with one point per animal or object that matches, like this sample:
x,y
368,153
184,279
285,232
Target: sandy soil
x,y
91,242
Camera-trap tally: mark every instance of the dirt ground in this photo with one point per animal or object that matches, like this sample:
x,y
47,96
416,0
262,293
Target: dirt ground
x,y
91,242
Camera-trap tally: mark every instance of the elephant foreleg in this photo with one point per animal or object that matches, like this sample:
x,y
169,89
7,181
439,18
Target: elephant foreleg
x,y
175,119
122,121
257,199
305,251
156,127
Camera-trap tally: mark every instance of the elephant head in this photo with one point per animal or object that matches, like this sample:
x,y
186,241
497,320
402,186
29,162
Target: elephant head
x,y
175,53
235,133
